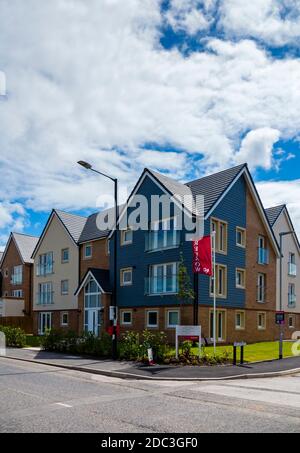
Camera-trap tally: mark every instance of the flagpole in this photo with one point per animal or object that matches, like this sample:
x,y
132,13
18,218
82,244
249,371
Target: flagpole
x,y
215,293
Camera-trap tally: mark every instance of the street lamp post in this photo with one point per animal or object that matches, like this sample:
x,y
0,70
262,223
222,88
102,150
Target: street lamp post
x,y
88,166
281,235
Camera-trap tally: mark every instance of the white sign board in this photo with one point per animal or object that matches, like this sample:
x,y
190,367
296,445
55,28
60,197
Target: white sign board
x,y
188,331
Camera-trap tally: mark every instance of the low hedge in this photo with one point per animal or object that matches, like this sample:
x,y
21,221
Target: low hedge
x,y
14,336
87,343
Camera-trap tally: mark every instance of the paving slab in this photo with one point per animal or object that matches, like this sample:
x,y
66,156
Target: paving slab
x,y
131,370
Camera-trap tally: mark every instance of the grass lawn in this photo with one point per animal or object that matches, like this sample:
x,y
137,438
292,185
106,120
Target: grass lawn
x,y
32,341
254,352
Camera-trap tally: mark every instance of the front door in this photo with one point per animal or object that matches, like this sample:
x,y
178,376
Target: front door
x,y
45,322
92,321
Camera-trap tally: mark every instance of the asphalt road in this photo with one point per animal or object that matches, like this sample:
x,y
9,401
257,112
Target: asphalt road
x,y
38,398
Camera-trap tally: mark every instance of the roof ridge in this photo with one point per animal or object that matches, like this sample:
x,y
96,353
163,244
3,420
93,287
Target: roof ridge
x,y
24,234
277,207
218,173
69,213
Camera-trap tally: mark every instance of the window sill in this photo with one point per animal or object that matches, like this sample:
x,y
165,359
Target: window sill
x,y
162,294
162,249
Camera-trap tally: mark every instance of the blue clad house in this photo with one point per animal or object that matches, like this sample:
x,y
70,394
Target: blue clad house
x,y
147,262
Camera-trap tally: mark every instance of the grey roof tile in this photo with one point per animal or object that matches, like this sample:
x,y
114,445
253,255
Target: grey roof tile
x,y
26,245
274,212
211,187
73,223
90,231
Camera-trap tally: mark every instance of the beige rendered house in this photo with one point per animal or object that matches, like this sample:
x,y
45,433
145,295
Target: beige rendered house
x,y
56,273
281,222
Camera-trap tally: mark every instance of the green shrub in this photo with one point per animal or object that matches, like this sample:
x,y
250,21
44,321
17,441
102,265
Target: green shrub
x,y
15,337
129,348
87,343
157,341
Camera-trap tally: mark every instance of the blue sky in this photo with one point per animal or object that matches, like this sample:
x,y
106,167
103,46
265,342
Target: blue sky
x,y
186,87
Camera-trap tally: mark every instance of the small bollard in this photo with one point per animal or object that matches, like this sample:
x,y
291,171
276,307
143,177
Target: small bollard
x,y
241,345
234,355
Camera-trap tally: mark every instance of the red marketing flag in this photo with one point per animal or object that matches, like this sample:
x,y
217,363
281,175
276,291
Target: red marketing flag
x,y
202,256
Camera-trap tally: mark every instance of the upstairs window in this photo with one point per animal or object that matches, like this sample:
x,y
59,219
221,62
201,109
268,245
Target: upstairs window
x,y
263,252
221,282
241,237
64,287
126,237
221,230
88,251
17,275
261,288
241,278
65,255
162,235
45,264
292,265
126,277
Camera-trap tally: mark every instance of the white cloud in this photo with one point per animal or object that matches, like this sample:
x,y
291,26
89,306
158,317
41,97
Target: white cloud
x,y
276,22
91,81
257,148
190,16
275,193
12,218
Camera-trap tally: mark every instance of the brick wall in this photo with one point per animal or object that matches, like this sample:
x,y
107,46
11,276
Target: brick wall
x,y
255,227
11,260
99,259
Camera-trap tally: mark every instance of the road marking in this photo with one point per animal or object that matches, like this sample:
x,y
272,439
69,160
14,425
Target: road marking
x,y
63,405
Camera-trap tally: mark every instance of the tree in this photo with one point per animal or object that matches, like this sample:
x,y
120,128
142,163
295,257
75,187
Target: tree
x,y
185,288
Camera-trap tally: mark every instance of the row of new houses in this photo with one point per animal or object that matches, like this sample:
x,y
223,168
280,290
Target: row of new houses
x,y
64,279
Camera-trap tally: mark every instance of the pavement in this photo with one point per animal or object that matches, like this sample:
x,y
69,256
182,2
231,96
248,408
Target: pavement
x,y
37,398
130,370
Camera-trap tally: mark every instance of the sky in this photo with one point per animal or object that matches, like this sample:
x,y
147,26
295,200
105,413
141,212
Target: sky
x,y
185,87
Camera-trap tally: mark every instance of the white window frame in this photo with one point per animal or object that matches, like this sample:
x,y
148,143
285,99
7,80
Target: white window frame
x,y
220,295
243,235
17,293
62,256
62,292
221,228
45,264
261,289
125,323
147,319
62,323
85,247
259,326
243,272
154,275
41,315
293,321
127,270
123,237
49,290
242,318
172,326
17,275
165,223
